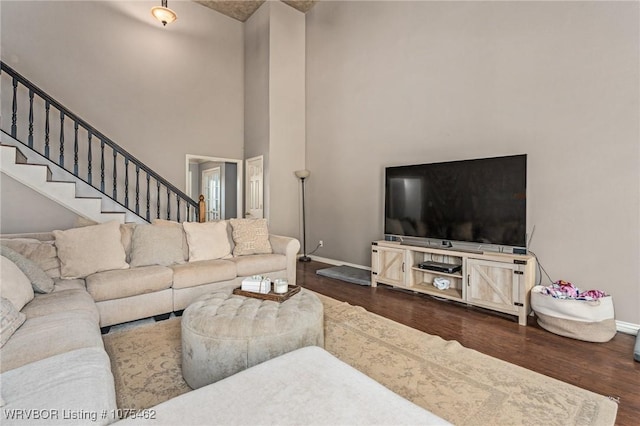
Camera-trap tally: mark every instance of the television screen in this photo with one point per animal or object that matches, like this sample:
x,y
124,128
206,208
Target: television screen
x,y
481,201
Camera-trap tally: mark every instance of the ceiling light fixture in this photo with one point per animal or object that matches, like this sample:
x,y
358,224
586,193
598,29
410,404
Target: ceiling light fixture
x,y
163,13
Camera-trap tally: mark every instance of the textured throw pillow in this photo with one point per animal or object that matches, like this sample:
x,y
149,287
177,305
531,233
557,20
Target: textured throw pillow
x,y
156,245
251,236
14,284
40,281
10,320
207,240
85,251
43,253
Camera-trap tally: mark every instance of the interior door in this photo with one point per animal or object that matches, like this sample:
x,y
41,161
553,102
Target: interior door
x,y
212,194
254,187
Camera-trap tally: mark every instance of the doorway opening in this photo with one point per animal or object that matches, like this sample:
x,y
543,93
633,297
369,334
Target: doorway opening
x,y
219,180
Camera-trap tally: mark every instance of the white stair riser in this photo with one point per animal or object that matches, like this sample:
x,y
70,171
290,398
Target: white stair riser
x,y
82,189
64,193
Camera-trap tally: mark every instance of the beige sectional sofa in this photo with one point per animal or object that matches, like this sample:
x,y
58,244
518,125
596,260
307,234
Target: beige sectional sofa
x,y
135,286
54,369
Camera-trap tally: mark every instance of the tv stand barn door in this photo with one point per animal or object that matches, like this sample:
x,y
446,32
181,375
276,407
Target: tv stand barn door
x,y
389,265
494,285
497,281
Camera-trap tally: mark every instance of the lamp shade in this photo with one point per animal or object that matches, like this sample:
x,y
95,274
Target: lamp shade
x,y
302,174
164,14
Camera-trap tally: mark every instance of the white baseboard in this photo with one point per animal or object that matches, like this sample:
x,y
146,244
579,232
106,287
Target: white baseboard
x,y
627,327
621,326
338,262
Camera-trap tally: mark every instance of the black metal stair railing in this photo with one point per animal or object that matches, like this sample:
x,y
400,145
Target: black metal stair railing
x,y
45,124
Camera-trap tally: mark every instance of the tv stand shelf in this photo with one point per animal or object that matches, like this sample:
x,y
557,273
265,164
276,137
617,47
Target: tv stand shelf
x,y
497,281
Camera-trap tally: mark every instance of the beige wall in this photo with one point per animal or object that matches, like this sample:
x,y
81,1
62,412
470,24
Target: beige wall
x,y
256,83
275,108
287,116
257,46
158,92
391,83
24,210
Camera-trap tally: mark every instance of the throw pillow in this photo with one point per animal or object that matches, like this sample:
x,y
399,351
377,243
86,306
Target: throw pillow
x,y
43,253
251,236
156,245
85,251
207,240
14,284
185,245
41,282
126,232
10,320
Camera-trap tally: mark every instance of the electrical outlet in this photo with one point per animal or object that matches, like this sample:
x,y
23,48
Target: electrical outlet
x,y
321,243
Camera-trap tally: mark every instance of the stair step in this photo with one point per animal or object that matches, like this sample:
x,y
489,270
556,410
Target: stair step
x,y
45,176
88,198
33,169
38,178
20,157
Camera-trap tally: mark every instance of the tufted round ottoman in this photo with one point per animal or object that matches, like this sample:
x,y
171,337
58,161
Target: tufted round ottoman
x,y
223,333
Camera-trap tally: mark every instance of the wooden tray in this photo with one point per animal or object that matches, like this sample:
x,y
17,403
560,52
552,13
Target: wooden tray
x,y
276,297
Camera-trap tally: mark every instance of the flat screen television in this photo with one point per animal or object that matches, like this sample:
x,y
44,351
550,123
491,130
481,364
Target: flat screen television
x,y
481,201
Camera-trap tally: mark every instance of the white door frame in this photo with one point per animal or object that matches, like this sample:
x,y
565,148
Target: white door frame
x,y
239,185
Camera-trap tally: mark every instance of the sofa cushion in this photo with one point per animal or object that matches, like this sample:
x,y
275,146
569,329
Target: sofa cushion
x,y
40,281
259,264
14,284
43,253
203,272
109,285
208,240
251,236
41,337
62,301
10,320
156,245
91,249
61,285
78,382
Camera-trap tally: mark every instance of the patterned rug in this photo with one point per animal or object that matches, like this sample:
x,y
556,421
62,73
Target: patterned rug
x,y
459,384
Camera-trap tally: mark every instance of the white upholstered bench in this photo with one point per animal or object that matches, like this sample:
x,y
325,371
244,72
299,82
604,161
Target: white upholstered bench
x,y
308,386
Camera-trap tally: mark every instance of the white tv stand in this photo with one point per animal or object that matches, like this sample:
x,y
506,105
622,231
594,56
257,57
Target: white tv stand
x,y
497,281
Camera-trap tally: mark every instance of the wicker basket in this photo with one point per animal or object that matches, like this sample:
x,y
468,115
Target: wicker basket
x,y
588,320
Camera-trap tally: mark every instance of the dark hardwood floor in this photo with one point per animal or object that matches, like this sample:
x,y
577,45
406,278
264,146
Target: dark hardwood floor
x,y
605,368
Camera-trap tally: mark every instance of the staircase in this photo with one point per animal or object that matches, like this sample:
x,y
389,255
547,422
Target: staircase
x,y
59,185
100,181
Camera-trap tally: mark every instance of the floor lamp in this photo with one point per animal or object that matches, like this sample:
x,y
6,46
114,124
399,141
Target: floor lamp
x,y
302,175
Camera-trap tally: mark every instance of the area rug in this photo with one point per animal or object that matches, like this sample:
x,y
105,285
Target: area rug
x,y
347,273
145,362
459,384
